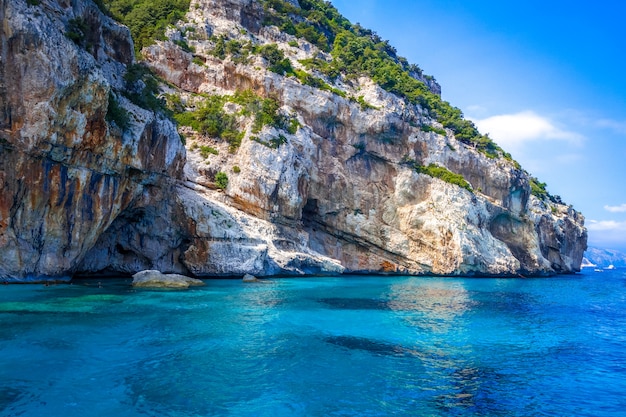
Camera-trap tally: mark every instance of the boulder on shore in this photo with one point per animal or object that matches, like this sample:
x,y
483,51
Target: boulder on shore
x,y
156,279
249,278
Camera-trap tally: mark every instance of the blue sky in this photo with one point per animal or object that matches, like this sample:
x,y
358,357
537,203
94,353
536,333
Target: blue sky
x,y
546,80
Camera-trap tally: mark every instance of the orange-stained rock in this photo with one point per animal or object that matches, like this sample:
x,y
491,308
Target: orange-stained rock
x,y
66,172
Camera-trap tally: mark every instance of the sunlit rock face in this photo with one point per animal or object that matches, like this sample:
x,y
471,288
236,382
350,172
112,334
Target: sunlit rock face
x,y
335,195
341,178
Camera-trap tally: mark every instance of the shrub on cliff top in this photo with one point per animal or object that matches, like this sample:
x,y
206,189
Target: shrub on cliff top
x,y
538,189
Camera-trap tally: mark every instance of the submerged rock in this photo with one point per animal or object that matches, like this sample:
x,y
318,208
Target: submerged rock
x,y
156,279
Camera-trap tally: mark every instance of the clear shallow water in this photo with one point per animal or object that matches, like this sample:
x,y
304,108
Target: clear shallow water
x,y
350,346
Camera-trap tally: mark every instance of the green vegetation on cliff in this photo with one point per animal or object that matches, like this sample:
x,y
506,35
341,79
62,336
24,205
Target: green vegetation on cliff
x,y
210,117
221,180
443,174
146,19
116,113
77,30
276,59
273,143
142,88
316,82
206,150
239,52
357,51
539,190
353,51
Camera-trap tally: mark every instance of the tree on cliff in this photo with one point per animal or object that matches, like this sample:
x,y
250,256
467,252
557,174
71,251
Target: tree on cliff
x,y
147,19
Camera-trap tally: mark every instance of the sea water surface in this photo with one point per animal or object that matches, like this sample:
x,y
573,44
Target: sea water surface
x,y
337,346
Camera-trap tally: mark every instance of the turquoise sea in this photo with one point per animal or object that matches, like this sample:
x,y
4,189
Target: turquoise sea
x,y
337,346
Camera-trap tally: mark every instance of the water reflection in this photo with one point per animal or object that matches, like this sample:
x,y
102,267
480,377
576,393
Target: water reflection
x,y
440,312
433,306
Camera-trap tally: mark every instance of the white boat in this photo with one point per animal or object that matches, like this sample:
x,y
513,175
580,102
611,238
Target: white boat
x,y
610,267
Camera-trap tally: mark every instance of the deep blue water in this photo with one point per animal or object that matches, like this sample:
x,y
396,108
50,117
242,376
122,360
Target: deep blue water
x,y
349,346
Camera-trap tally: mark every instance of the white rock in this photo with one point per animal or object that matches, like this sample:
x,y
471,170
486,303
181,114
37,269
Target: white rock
x,y
249,278
156,279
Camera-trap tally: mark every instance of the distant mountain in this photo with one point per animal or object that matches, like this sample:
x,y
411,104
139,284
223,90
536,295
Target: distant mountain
x,y
604,257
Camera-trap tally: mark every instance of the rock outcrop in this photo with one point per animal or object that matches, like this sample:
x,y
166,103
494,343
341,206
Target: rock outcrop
x,y
250,278
337,191
156,279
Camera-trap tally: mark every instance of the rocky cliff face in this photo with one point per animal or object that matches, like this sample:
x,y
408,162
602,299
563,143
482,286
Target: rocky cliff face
x,y
66,172
332,188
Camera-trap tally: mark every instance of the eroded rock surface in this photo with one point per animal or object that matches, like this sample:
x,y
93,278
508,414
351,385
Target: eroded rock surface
x,y
66,172
337,195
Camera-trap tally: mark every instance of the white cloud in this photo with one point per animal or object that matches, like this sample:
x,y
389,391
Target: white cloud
x,y
515,129
607,233
617,126
606,225
616,209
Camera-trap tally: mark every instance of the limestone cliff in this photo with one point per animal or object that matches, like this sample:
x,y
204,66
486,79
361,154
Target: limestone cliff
x,y
333,182
66,172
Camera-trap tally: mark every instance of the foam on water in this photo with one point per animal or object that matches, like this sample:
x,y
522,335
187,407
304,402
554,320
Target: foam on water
x,y
345,346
